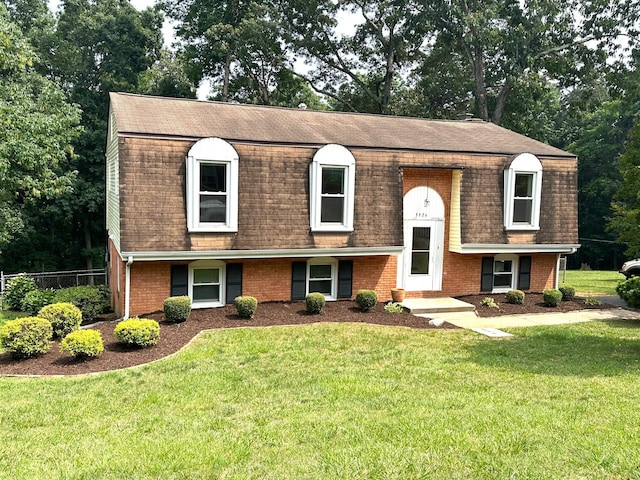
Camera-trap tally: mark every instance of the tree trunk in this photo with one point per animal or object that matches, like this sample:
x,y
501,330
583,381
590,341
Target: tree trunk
x,y
88,247
481,89
226,74
502,102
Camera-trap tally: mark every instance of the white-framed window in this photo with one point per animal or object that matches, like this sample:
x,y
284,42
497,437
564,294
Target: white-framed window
x,y
504,273
332,189
522,193
212,186
206,283
322,276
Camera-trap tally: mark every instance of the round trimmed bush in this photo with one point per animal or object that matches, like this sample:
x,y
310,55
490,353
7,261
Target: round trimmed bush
x,y
16,289
26,337
246,306
568,293
315,303
34,300
552,297
83,344
366,299
177,309
138,332
64,318
515,296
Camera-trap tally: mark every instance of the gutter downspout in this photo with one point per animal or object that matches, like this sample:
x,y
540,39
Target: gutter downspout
x,y
127,287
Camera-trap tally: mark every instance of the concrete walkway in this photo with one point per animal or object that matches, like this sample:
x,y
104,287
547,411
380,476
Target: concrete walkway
x,y
470,320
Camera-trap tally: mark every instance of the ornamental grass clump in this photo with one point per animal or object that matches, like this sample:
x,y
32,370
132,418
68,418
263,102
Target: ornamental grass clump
x,y
515,297
246,306
366,300
83,344
26,337
394,307
489,302
552,297
64,318
177,309
315,303
138,332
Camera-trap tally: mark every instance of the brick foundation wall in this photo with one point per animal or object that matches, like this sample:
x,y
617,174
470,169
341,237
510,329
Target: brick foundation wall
x,y
270,280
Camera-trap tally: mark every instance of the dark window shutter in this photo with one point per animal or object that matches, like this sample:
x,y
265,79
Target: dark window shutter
x,y
345,278
524,273
298,280
179,280
486,282
234,281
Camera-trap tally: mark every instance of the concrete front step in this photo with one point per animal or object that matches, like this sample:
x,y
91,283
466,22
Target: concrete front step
x,y
436,305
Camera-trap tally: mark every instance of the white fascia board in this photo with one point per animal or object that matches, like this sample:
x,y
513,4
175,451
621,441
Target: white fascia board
x,y
248,254
519,248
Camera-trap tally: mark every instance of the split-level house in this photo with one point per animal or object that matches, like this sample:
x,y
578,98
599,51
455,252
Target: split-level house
x,y
215,200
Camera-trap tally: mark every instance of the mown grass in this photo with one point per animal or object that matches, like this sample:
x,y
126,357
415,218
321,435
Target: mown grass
x,y
342,401
594,282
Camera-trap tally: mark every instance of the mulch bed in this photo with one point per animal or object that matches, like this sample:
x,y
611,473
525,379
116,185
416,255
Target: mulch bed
x,y
533,303
175,336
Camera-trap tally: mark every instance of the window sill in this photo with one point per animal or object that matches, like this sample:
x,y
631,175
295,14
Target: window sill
x,y
196,306
331,228
521,228
212,229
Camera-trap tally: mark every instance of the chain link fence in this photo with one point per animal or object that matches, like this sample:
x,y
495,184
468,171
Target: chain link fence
x,y
62,279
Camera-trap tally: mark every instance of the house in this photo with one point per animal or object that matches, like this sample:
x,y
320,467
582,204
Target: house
x,y
214,200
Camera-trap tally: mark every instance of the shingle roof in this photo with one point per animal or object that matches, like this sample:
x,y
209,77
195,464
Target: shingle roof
x,y
141,114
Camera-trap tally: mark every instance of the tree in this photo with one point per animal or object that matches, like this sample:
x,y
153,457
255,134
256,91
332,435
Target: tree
x,y
357,70
98,46
502,41
625,221
37,127
167,78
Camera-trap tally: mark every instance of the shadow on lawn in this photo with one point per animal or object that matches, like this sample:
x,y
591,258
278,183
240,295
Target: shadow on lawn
x,y
602,349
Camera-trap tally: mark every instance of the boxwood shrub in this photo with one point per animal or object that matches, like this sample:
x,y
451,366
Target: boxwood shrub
x,y
246,306
552,297
515,296
34,300
138,332
568,293
83,344
15,291
26,337
64,318
177,309
366,299
315,303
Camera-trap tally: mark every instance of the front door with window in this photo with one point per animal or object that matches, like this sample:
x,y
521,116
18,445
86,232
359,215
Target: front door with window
x,y
423,220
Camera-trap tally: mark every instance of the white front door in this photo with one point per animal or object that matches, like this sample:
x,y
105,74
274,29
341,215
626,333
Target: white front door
x,y
423,221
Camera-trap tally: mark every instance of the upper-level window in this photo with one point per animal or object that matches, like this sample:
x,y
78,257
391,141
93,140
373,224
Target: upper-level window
x,y
522,189
332,188
212,187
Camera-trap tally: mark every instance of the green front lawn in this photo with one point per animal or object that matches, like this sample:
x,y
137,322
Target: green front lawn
x,y
342,401
593,282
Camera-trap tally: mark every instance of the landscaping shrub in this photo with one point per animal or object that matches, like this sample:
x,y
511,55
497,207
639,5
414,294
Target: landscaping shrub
x,y
246,306
592,302
629,291
315,303
64,318
34,300
394,307
26,337
366,299
15,291
82,344
138,332
568,293
552,297
515,296
177,309
91,300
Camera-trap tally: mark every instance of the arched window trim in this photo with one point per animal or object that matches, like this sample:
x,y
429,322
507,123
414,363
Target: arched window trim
x,y
525,168
336,158
216,152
